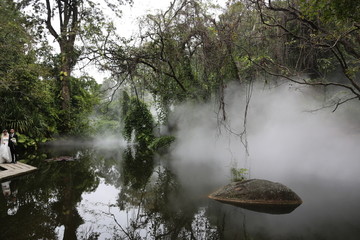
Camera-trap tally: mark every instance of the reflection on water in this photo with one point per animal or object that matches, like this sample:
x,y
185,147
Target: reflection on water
x,y
9,190
117,194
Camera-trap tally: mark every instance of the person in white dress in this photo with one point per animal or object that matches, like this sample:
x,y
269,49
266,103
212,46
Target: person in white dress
x,y
5,154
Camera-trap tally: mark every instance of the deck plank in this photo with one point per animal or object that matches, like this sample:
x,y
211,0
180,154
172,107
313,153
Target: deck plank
x,y
14,170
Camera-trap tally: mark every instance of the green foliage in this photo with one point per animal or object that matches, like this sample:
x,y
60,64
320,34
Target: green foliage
x,y
161,142
27,99
107,114
27,87
138,119
85,95
125,103
79,19
105,126
238,175
30,142
331,10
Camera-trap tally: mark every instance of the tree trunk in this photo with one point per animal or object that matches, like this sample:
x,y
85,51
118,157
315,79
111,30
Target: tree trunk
x,y
65,73
69,25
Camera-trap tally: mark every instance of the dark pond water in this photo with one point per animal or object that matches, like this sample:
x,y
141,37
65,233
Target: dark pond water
x,y
122,194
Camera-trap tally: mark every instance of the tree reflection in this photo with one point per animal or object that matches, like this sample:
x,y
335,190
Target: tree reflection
x,y
163,209
108,165
48,198
46,203
138,166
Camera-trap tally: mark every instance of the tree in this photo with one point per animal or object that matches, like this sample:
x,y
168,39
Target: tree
x,y
77,20
85,95
138,121
187,53
27,100
326,30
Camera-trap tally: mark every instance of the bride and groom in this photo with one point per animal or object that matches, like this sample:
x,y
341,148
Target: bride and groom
x,y
7,146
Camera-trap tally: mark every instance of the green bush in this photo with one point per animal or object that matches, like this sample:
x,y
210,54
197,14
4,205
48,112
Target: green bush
x,y
138,118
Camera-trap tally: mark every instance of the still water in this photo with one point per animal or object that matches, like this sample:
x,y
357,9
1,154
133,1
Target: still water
x,y
125,194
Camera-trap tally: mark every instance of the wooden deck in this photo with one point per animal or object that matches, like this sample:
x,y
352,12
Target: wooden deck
x,y
10,170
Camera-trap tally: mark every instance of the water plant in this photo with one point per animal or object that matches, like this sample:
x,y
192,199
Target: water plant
x,y
239,174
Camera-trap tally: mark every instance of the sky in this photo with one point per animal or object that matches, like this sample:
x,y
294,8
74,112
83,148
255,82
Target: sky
x,y
143,7
139,8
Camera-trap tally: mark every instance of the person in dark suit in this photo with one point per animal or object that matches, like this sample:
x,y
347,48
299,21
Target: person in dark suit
x,y
12,145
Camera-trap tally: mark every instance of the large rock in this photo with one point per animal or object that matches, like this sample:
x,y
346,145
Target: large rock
x,y
258,195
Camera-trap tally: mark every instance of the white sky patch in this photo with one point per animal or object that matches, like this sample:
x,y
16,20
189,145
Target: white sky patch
x,y
128,23
101,214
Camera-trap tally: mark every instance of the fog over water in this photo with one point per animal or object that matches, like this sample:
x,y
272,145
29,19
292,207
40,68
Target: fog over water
x,y
288,142
315,153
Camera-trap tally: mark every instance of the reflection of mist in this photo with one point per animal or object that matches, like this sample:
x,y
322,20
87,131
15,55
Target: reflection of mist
x,y
329,212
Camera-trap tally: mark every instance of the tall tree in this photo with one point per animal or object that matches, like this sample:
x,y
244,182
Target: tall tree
x,y
324,33
70,22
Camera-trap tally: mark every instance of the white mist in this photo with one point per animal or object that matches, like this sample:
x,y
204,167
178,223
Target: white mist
x,y
288,142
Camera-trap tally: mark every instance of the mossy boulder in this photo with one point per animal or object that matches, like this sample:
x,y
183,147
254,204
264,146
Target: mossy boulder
x,y
258,195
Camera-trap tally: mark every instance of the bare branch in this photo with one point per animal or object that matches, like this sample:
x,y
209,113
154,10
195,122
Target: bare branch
x,y
335,105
